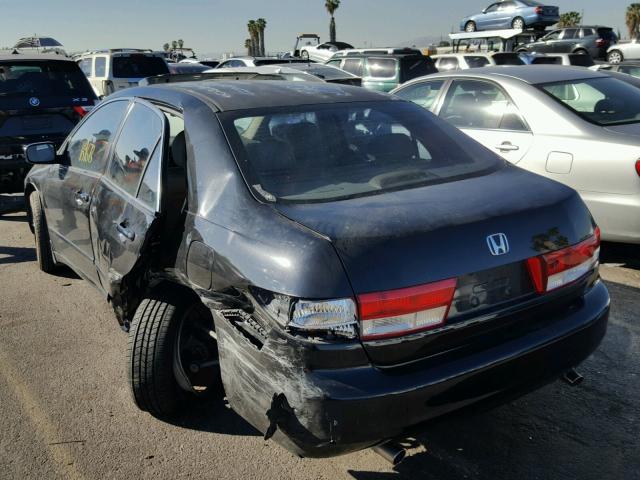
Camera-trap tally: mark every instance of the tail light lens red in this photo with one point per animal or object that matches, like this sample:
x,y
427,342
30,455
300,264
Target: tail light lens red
x,y
82,110
395,313
556,269
539,10
600,42
638,167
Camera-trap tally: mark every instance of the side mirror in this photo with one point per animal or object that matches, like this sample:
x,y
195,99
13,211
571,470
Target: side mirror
x,y
40,153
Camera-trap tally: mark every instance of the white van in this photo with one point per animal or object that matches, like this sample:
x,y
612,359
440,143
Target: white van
x,y
111,70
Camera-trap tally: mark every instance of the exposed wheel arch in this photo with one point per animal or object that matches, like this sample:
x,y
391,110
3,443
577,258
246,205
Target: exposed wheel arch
x,y
581,51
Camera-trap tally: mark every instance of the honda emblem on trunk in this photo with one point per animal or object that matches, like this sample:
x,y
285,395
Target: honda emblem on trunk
x,y
498,244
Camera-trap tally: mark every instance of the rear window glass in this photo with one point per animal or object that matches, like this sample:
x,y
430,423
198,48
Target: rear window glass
x,y
43,79
581,60
354,66
547,61
138,66
603,101
101,63
530,3
411,68
606,33
382,67
329,152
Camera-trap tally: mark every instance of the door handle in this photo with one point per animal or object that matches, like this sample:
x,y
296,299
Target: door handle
x,y
123,229
81,198
507,147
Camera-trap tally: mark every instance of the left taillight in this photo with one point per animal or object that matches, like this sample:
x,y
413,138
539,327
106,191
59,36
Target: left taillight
x,y
82,110
562,267
404,311
539,10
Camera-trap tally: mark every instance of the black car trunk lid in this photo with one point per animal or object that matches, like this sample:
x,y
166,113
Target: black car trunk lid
x,y
418,236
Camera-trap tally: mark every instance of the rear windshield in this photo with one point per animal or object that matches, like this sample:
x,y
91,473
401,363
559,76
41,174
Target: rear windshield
x,y
606,33
276,61
531,3
43,79
322,153
581,60
603,101
327,72
138,66
507,59
414,67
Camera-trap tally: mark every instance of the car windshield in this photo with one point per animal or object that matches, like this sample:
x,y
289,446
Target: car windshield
x,y
603,101
506,58
138,66
43,79
329,152
326,72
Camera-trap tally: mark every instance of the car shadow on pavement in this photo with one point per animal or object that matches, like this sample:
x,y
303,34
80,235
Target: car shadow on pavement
x,y
625,254
213,415
16,254
558,432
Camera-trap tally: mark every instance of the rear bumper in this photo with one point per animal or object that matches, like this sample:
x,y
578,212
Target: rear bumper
x,y
327,412
618,216
541,20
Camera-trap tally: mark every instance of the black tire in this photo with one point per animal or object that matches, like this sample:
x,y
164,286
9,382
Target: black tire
x,y
615,56
581,51
158,382
304,55
41,235
518,23
470,26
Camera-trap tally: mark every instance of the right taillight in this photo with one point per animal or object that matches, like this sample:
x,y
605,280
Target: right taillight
x,y
638,167
539,10
556,269
394,313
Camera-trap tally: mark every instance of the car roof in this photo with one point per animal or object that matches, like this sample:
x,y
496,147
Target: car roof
x,y
225,95
4,57
533,74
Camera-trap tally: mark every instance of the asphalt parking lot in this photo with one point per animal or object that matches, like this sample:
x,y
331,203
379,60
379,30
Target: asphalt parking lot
x,y
66,411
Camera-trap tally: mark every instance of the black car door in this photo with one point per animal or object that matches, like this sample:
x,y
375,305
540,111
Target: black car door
x,y
126,201
68,188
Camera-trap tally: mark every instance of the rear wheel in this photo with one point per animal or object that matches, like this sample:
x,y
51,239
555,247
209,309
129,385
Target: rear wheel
x,y
615,56
304,55
518,23
172,353
581,51
41,235
470,27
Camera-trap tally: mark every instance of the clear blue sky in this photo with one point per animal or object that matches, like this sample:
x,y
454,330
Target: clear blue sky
x,y
215,26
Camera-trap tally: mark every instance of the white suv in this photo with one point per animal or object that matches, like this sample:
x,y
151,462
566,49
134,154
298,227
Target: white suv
x,y
112,70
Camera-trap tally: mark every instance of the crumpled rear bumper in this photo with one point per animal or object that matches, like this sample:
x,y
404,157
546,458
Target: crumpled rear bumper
x,y
322,412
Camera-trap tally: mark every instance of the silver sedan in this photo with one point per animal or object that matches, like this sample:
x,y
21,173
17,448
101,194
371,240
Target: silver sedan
x,y
576,126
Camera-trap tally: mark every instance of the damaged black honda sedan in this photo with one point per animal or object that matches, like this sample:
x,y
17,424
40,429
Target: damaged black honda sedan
x,y
343,263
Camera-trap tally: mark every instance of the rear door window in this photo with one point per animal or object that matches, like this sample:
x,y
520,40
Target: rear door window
x,y
382,67
89,146
423,93
86,67
480,105
138,66
101,67
476,61
448,63
353,65
414,67
570,33
136,144
51,78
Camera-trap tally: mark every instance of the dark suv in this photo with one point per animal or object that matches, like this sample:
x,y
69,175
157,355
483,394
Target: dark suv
x,y
42,97
594,40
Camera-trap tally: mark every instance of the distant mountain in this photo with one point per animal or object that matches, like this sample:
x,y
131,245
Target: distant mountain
x,y
423,41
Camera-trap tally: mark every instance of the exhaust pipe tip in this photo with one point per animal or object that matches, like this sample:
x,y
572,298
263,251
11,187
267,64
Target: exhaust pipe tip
x,y
391,452
572,377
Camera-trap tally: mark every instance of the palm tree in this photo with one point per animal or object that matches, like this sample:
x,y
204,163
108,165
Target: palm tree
x,y
569,19
261,24
251,26
248,45
166,47
174,44
632,19
180,43
332,6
